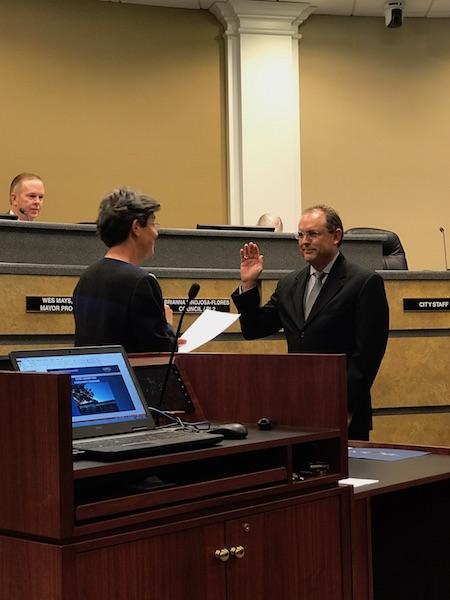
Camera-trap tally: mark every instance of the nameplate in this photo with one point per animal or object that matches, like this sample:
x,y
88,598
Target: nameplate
x,y
49,304
426,304
198,305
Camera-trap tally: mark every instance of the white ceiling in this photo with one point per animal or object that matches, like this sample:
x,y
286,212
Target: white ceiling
x,y
375,8
345,8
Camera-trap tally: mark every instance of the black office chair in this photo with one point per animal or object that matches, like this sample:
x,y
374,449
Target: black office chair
x,y
394,257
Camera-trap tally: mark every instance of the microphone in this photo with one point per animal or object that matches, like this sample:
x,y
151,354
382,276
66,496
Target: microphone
x,y
442,230
193,291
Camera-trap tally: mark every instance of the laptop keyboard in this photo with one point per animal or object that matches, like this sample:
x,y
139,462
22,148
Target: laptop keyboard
x,y
148,439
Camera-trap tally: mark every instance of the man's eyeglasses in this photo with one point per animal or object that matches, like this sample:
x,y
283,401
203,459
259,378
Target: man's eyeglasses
x,y
312,235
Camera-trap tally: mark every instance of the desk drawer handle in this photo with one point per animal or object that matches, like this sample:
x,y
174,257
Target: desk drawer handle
x,y
223,554
237,551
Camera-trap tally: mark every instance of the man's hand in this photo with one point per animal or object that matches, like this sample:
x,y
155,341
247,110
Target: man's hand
x,y
169,314
252,264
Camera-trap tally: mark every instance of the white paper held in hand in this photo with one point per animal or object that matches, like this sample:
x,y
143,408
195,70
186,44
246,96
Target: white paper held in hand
x,y
205,328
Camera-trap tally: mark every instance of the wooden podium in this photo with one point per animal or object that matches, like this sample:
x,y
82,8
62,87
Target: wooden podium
x,y
240,520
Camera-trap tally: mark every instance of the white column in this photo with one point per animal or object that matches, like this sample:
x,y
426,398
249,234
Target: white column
x,y
263,108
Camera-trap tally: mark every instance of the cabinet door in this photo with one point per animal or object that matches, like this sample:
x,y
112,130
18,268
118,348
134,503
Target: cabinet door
x,y
291,553
173,566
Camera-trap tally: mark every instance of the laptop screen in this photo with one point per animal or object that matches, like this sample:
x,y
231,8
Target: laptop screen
x,y
176,397
105,396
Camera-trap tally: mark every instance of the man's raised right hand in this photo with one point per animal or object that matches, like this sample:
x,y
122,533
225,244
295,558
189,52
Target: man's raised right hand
x,y
252,264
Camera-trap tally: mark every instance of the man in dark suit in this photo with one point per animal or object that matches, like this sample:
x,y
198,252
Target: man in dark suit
x,y
26,196
330,306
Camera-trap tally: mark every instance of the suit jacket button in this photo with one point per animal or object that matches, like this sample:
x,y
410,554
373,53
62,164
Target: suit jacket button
x,y
302,335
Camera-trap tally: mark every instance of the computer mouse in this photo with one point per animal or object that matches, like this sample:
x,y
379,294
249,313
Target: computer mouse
x,y
230,431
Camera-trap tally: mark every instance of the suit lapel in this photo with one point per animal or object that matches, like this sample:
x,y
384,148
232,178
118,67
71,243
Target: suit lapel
x,y
297,293
332,285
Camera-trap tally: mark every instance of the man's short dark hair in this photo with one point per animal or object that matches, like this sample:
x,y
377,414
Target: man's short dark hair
x,y
22,177
333,220
118,211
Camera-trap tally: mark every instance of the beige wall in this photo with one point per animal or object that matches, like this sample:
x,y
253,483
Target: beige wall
x,y
375,123
99,94
96,94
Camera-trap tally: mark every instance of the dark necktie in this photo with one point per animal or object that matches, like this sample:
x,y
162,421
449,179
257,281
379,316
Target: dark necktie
x,y
315,291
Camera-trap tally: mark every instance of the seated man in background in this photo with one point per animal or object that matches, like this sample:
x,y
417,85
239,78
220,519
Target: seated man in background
x,y
331,306
26,196
269,220
115,301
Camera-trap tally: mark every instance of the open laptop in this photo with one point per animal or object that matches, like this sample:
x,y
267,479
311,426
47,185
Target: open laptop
x,y
151,379
110,418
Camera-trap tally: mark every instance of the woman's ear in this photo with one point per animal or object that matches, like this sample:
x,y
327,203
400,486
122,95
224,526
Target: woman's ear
x,y
135,227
